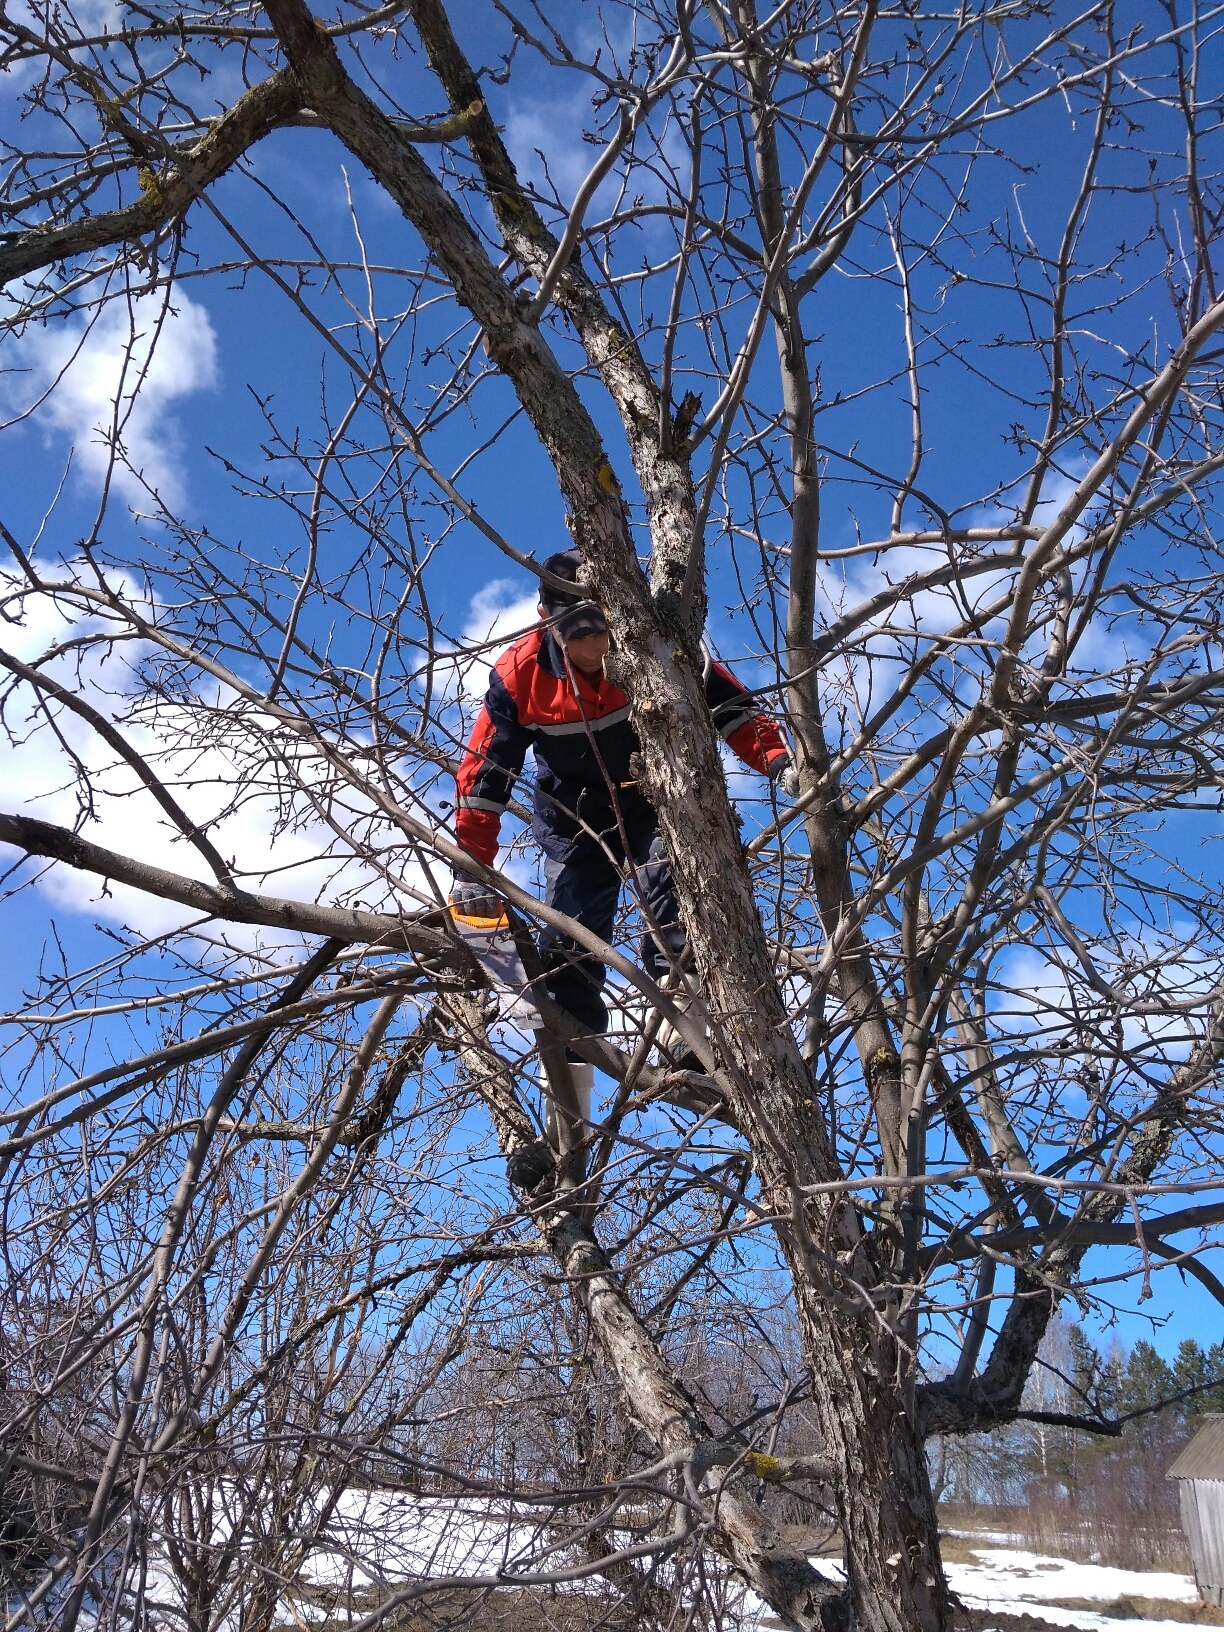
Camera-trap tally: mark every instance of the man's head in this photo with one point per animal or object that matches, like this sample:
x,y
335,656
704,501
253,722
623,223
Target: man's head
x,y
580,624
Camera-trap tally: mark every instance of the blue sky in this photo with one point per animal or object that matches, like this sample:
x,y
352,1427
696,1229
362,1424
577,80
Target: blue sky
x,y
234,355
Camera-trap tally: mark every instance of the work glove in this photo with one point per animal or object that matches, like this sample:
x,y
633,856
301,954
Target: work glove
x,y
473,899
786,777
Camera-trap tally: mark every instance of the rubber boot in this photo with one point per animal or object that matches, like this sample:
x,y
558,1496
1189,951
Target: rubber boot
x,y
583,1078
531,1165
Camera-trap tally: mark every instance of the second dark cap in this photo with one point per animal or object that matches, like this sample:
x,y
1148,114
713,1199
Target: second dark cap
x,y
576,615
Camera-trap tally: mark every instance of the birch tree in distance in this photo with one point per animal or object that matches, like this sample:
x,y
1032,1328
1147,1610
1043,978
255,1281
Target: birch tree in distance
x,y
875,346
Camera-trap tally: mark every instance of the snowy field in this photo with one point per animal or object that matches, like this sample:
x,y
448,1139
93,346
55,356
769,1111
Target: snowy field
x,y
377,1539
1021,1583
370,1543
383,1537
1026,1583
373,1541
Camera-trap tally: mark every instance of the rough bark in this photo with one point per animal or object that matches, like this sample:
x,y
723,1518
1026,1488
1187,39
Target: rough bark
x,y
886,1505
852,1347
856,1294
656,440
661,1404
170,181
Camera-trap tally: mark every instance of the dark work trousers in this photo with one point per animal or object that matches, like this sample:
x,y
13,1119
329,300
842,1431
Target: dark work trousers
x,y
587,887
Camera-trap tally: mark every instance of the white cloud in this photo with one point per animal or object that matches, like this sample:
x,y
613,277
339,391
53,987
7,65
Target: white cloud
x,y
879,651
1166,977
545,142
303,862
109,385
502,610
257,818
545,132
98,16
89,16
499,613
270,832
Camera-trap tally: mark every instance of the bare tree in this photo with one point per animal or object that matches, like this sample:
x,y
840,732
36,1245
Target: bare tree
x,y
946,450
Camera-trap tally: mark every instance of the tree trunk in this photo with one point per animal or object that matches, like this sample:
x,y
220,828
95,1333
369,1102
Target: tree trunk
x,y
885,1502
892,1551
862,1367
807,1601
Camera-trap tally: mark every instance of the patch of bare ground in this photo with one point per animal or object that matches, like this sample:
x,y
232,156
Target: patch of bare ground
x,y
509,1611
966,1549
1088,1535
502,1611
1124,1609
1147,1609
993,1620
315,1609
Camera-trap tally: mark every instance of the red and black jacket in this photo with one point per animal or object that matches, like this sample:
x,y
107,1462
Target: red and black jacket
x,y
583,743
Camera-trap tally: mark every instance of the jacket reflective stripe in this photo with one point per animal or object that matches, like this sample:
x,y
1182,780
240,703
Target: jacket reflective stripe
x,y
466,802
534,701
727,727
568,727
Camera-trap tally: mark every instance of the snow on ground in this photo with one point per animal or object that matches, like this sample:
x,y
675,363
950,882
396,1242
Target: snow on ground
x,y
1021,1583
375,1539
392,1536
1009,1579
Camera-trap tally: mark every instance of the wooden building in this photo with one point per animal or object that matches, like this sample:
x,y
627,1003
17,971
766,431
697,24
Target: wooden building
x,y
1199,1472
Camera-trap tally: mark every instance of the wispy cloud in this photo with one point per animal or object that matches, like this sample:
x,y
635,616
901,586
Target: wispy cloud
x,y
109,385
547,133
545,140
89,16
269,830
499,612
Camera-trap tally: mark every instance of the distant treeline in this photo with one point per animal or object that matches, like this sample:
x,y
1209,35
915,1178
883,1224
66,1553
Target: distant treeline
x,y
1117,1384
1092,1491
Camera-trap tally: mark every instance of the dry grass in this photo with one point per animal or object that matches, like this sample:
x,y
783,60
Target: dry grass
x,y
963,1549
510,1610
1089,1535
1146,1609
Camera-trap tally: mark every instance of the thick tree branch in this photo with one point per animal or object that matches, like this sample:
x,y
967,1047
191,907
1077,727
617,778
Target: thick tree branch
x,y
661,464
345,924
988,1399
1063,1230
659,1401
165,195
424,937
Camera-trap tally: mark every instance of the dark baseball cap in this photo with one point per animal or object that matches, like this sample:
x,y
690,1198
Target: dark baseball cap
x,y
575,615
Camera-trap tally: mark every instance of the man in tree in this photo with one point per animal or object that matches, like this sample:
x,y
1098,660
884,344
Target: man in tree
x,y
594,825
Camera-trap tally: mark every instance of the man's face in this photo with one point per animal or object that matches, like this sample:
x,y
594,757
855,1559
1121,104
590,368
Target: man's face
x,y
585,652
